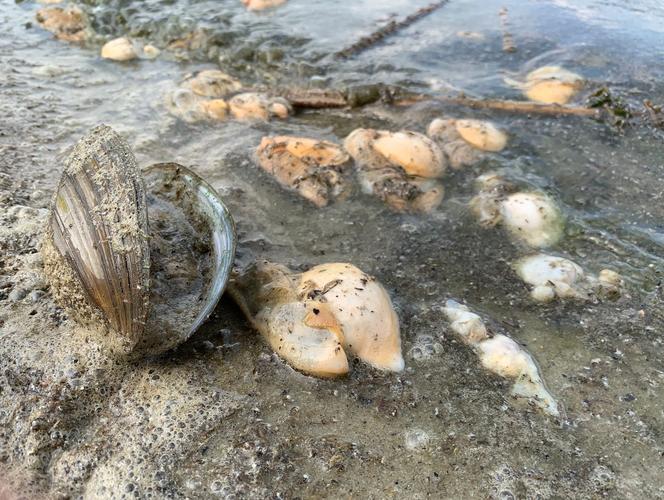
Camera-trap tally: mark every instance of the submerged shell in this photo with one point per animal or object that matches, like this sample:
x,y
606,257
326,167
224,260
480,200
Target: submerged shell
x,y
96,249
312,167
213,83
255,106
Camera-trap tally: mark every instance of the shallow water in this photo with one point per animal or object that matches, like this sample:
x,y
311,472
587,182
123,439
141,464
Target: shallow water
x,y
444,427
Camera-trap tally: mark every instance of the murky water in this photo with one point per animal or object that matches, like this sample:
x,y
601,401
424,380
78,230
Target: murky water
x,y
443,428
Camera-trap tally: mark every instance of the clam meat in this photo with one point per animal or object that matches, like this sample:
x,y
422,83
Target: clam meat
x,y
531,217
549,85
463,141
142,268
400,168
501,355
314,168
315,319
253,106
551,277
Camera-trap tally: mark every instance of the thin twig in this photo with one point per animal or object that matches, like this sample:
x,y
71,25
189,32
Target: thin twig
x,y
320,99
505,105
390,28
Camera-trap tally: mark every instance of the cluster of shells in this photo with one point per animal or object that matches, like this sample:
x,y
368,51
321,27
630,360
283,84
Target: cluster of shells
x,y
70,24
215,96
115,262
401,168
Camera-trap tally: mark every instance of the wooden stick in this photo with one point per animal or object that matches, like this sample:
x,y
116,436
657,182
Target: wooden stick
x,y
390,28
322,98
315,98
504,105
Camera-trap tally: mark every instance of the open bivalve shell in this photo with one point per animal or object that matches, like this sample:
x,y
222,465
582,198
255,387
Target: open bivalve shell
x,y
143,269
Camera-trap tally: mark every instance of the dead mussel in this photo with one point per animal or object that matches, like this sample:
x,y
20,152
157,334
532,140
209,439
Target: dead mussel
x,y
140,259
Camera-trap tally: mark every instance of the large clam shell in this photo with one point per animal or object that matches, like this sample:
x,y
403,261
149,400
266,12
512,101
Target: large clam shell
x,y
96,251
145,267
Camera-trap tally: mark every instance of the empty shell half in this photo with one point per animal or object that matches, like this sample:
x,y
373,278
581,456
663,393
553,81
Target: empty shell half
x,y
192,247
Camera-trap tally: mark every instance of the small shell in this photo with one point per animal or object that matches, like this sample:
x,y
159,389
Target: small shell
x,y
96,251
533,218
213,83
312,167
415,153
255,106
119,49
482,135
